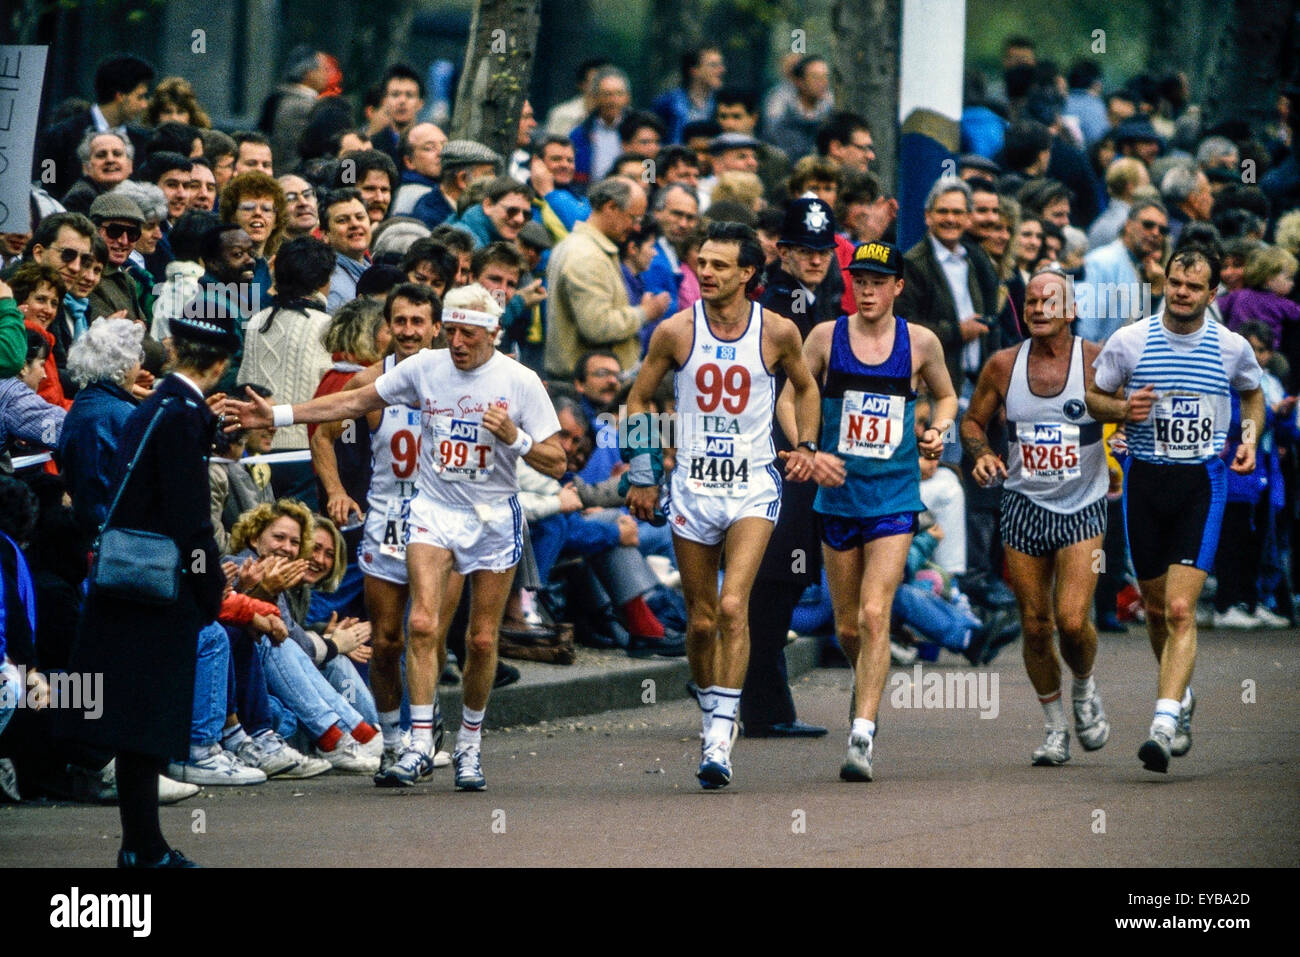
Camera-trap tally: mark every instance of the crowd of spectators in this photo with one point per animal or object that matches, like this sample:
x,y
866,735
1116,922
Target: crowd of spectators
x,y
324,234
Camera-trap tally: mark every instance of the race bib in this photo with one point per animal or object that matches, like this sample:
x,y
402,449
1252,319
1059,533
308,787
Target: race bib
x,y
1049,451
463,449
719,465
1183,426
871,425
396,530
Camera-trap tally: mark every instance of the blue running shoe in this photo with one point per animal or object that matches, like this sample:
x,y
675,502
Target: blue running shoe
x,y
469,769
411,767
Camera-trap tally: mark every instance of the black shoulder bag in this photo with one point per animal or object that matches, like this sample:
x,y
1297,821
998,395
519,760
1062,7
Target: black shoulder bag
x,y
131,564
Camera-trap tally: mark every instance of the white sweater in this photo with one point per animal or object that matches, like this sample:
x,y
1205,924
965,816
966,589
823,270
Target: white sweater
x,y
289,359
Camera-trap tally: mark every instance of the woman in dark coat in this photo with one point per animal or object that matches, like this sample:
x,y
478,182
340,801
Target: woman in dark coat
x,y
146,653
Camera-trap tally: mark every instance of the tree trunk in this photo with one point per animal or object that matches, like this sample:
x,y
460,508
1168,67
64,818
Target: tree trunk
x,y
864,73
674,27
498,67
1248,61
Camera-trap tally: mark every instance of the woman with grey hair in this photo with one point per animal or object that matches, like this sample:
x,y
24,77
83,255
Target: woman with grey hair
x,y
104,363
151,253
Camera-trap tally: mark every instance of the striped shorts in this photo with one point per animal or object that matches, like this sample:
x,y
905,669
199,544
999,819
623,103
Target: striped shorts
x,y
1037,531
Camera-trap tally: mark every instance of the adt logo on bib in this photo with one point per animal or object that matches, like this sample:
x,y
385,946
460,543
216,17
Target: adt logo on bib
x,y
464,429
875,405
726,352
1186,408
1047,435
721,447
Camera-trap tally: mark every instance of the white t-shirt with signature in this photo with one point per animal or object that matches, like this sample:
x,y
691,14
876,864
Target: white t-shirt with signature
x,y
461,463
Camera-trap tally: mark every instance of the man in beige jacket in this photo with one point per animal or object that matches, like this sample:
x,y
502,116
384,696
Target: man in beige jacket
x,y
589,307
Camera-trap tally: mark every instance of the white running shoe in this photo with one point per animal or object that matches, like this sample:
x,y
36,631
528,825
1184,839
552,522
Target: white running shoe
x,y
1235,617
1181,742
1054,751
715,765
374,748
217,768
348,759
1090,723
857,766
442,759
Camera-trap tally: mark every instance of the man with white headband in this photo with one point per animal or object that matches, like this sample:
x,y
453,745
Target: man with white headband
x,y
480,410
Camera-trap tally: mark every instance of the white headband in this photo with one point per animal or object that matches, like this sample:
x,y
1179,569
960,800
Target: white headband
x,y
470,317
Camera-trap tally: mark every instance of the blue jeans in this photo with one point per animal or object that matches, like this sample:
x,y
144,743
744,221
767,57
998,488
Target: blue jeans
x,y
344,678
214,685
295,680
932,617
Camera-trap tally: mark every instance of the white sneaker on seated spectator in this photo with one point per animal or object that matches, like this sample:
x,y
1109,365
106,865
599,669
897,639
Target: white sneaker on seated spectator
x,y
265,754
217,768
1267,618
348,758
374,747
1235,617
441,759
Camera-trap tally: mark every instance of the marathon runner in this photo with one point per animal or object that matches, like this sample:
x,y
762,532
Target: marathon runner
x,y
1053,504
413,315
1169,377
868,365
480,411
725,490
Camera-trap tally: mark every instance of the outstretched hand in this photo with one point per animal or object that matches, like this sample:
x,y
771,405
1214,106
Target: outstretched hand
x,y
254,414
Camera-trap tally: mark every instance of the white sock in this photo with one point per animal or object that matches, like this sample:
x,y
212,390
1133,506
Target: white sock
x,y
863,726
233,737
390,725
707,697
421,727
199,751
1166,718
725,707
471,729
1083,688
1054,708
1187,697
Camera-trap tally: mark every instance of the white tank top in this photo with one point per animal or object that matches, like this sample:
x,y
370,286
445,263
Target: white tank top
x,y
726,398
394,455
1056,456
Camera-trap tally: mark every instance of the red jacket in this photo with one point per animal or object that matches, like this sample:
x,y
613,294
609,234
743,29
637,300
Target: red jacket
x,y
51,389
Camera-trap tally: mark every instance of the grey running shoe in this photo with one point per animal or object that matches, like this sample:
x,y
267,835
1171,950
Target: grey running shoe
x,y
1090,722
857,766
1182,740
1054,751
1154,753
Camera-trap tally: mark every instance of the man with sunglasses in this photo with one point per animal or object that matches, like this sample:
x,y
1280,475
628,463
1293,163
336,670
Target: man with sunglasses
x,y
1124,280
506,206
64,242
121,289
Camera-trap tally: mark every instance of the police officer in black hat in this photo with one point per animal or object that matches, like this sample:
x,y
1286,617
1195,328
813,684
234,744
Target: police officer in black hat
x,y
806,288
146,652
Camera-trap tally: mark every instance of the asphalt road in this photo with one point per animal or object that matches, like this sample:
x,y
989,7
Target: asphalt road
x,y
951,789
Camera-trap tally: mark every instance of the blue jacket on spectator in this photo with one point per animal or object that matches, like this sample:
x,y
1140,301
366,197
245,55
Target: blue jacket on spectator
x,y
432,208
664,274
88,446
